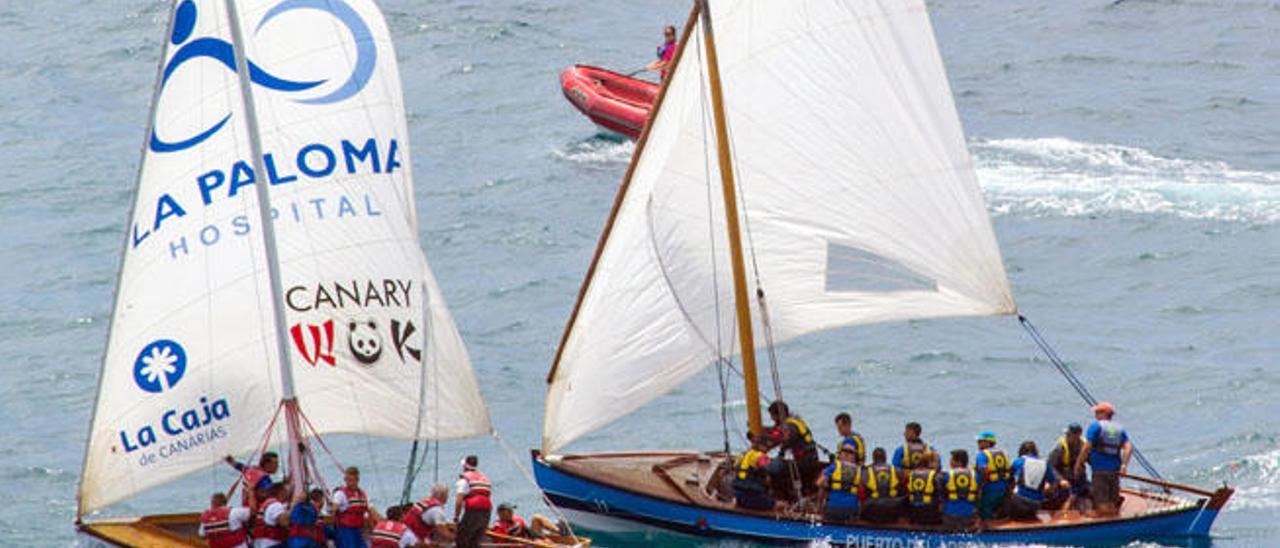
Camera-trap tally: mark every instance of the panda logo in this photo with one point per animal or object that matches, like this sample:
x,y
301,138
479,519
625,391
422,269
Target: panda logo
x,y
365,342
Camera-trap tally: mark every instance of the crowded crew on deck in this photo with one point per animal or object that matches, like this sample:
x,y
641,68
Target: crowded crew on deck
x,y
965,488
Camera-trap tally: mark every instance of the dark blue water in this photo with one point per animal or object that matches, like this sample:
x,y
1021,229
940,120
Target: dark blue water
x,y
1128,152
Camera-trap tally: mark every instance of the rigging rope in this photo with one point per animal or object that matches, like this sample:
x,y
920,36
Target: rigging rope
x,y
511,455
1079,386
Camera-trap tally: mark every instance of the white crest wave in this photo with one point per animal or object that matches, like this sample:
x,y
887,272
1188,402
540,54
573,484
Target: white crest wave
x,y
1056,176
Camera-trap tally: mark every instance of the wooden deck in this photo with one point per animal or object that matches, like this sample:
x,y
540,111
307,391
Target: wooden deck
x,y
697,479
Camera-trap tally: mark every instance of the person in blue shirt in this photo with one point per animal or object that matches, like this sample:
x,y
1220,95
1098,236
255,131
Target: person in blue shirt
x,y
992,466
306,528
1107,448
844,425
1033,478
910,454
959,507
839,484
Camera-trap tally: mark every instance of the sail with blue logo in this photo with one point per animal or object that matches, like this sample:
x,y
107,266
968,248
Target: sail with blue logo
x,y
192,366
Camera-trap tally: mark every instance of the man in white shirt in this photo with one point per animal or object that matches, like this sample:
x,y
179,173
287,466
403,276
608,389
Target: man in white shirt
x,y
272,528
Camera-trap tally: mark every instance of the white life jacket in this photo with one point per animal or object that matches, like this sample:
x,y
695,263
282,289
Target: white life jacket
x,y
1033,471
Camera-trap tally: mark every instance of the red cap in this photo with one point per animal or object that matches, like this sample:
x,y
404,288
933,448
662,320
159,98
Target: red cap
x,y
1105,407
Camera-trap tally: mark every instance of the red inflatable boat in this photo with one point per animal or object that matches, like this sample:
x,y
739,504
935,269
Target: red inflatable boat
x,y
613,101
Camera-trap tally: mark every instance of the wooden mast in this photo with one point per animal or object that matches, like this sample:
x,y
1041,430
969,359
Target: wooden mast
x,y
743,304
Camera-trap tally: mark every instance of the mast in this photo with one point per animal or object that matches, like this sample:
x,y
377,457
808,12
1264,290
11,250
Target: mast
x,y
287,396
745,336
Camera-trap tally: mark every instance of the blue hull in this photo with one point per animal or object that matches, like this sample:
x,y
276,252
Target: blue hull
x,y
596,500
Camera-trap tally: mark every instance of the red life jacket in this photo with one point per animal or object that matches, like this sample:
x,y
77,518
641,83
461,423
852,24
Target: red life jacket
x,y
250,477
357,507
413,517
263,531
217,528
514,528
478,491
387,533
314,532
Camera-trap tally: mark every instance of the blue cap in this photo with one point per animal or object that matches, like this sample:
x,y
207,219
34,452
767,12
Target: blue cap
x,y
987,435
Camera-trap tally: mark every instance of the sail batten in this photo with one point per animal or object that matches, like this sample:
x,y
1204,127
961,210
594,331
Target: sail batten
x,y
194,364
844,136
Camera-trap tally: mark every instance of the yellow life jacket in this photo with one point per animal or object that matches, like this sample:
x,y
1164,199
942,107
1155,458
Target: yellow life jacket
x,y
846,478
962,484
747,468
1066,451
879,475
802,428
998,465
913,454
920,485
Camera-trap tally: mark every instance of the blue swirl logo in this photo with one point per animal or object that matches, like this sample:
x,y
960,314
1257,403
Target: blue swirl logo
x,y
184,23
160,366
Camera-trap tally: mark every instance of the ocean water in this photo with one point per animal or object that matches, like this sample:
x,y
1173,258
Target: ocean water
x,y
1128,151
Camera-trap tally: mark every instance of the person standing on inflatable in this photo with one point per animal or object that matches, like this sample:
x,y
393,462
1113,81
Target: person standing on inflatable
x,y
665,52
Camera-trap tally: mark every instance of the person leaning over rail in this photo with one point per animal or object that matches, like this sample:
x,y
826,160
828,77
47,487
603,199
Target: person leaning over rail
x,y
1063,457
427,517
1107,449
751,477
885,490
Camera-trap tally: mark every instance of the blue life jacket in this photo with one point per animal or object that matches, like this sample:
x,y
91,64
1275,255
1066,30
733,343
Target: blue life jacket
x,y
1110,438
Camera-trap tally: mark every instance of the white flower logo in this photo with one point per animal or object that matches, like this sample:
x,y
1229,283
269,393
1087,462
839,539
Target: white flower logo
x,y
159,366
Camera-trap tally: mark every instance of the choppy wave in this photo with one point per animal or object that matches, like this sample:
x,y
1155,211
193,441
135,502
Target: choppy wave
x,y
1055,176
1256,477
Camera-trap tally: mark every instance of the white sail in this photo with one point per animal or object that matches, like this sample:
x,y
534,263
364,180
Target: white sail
x,y
191,371
861,203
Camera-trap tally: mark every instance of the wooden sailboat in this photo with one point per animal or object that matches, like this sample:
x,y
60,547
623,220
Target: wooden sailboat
x,y
830,135
272,287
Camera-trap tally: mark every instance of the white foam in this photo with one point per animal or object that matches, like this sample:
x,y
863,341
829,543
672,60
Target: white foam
x,y
1257,480
1055,176
597,151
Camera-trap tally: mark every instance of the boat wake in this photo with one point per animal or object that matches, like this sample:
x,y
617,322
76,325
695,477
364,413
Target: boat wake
x,y
599,150
1256,478
1061,177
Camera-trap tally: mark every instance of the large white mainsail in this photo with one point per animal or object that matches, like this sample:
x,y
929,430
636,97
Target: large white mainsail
x,y
191,371
859,199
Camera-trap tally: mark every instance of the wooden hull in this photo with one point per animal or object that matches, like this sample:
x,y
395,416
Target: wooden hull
x,y
181,530
676,492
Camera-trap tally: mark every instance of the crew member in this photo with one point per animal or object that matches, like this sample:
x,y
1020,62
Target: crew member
x,y
840,483
844,425
222,526
793,434
666,52
306,528
256,479
922,491
961,486
392,532
993,467
352,512
427,517
1033,478
884,498
473,495
509,524
271,523
751,477
1063,457
1107,448
910,454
